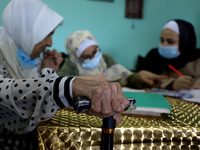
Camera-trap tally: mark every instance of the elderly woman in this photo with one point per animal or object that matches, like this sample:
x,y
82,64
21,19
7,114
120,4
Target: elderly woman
x,y
29,95
177,50
85,58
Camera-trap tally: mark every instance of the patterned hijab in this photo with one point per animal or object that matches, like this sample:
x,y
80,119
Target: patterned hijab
x,y
73,41
25,23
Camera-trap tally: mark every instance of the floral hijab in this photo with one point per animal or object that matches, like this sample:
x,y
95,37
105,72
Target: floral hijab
x,y
73,41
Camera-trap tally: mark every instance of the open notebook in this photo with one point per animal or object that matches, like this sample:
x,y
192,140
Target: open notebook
x,y
149,104
192,95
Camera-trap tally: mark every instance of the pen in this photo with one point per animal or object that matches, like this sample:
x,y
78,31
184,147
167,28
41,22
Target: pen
x,y
170,66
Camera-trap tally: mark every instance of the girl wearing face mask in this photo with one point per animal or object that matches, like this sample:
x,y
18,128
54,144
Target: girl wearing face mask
x,y
177,48
86,59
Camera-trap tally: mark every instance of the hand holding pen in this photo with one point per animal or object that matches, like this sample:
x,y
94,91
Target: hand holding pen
x,y
182,82
171,67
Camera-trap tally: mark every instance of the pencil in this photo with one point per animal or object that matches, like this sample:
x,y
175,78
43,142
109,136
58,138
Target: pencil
x,y
170,66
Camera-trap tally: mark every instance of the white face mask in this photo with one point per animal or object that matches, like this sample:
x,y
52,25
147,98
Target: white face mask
x,y
168,52
92,63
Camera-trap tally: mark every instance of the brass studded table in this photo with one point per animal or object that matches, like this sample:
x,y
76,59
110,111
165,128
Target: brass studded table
x,y
178,130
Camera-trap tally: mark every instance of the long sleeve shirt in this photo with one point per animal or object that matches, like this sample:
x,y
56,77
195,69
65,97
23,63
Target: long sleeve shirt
x,y
24,103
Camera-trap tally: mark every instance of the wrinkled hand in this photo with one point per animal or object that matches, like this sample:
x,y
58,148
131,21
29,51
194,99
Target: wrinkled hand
x,y
183,83
106,98
99,77
52,59
150,78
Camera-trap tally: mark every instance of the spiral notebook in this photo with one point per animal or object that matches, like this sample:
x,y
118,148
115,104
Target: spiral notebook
x,y
150,103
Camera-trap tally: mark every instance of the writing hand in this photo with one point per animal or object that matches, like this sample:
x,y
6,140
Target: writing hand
x,y
183,83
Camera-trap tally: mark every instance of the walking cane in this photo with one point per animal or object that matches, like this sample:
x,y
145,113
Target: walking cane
x,y
82,104
108,130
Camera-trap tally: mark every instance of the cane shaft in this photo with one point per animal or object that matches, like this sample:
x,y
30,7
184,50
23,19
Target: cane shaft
x,y
108,129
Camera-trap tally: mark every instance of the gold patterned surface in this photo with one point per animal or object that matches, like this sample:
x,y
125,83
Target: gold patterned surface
x,y
178,130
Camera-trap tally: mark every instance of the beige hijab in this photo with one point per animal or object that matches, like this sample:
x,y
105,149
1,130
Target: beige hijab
x,y
25,23
73,41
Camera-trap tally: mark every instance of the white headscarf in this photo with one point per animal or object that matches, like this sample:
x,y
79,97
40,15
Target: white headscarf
x,y
172,25
25,23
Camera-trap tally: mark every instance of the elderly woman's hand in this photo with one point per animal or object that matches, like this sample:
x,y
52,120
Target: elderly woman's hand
x,y
106,98
52,59
99,77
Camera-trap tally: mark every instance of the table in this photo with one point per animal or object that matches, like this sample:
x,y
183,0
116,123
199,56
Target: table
x,y
178,130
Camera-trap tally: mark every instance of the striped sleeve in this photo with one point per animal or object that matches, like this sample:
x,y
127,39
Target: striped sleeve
x,y
63,91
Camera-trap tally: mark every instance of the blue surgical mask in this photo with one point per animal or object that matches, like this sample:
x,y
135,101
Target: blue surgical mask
x,y
25,60
92,63
168,52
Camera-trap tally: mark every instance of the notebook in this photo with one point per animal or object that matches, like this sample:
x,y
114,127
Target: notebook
x,y
179,94
192,95
149,103
127,89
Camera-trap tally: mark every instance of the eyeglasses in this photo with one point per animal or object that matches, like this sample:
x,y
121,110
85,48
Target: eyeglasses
x,y
85,57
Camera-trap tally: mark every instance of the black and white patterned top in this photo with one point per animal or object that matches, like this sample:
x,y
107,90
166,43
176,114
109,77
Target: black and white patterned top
x,y
24,103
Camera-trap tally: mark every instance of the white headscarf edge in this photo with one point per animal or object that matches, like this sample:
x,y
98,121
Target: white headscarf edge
x,y
43,21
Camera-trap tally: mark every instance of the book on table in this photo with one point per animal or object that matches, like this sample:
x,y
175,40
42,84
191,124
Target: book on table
x,y
149,104
192,95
